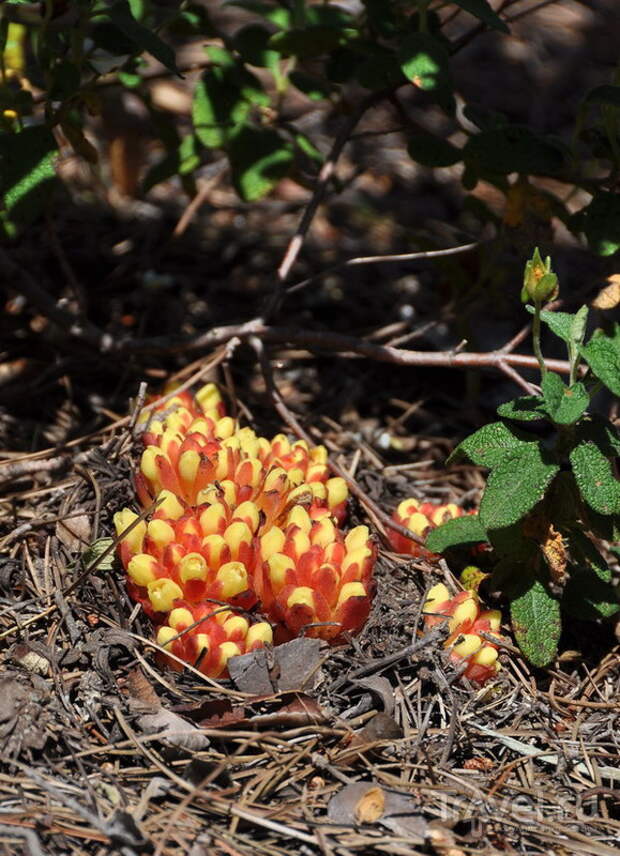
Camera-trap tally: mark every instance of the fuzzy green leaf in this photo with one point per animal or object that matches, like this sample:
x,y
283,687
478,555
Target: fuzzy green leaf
x,y
491,445
560,323
589,593
425,63
515,486
602,354
527,408
564,404
601,431
259,159
482,10
93,557
595,478
536,623
513,148
459,530
27,174
223,98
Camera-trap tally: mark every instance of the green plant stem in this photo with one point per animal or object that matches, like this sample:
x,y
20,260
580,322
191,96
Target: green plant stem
x,y
536,341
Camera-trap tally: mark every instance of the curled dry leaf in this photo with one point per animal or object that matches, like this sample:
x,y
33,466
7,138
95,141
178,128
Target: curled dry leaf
x,y
294,665
174,730
74,532
367,802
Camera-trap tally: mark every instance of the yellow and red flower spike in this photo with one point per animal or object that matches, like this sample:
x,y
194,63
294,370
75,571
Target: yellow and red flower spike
x,y
466,621
207,637
311,574
420,518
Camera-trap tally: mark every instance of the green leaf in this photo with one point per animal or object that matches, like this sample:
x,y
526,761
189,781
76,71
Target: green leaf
x,y
513,148
605,94
27,173
536,623
491,445
589,593
379,68
459,530
527,408
482,10
430,150
564,404
601,431
425,63
600,222
602,354
92,555
511,543
259,159
310,41
595,478
560,323
579,325
218,106
143,37
251,43
515,486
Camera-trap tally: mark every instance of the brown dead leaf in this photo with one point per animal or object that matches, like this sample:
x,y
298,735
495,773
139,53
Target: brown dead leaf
x,y
74,532
609,296
302,710
380,687
173,730
291,666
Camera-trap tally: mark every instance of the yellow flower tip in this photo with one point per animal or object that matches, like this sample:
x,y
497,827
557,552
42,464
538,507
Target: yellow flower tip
x,y
298,516
418,523
236,627
278,567
188,465
213,519
467,645
466,611
160,532
494,617
165,636
168,505
225,428
180,419
276,479
163,593
323,532
357,537
280,445
209,398
180,618
272,542
202,425
299,541
9,114
134,539
318,490
213,547
486,656
193,567
356,557
229,489
233,578
318,455
232,443
259,635
301,596
226,651
222,615
296,476
301,495
142,569
249,444
170,441
249,472
407,507
149,463
337,492
444,513
236,535
437,594
249,514
349,590
317,472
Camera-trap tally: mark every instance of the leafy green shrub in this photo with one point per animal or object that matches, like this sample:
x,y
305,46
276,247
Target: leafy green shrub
x,y
551,494
65,52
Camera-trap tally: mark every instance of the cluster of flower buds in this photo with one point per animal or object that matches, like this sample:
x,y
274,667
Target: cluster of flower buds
x,y
420,518
239,521
476,655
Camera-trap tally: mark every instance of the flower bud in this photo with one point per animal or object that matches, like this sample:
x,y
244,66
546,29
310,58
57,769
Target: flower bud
x,y
540,283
